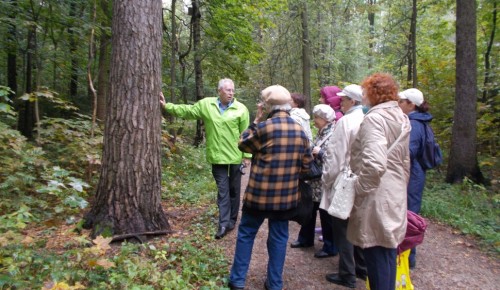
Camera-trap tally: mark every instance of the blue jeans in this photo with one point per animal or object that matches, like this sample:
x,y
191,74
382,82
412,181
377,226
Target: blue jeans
x,y
276,247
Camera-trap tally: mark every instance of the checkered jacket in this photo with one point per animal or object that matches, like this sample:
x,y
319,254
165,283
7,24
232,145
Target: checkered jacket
x,y
280,151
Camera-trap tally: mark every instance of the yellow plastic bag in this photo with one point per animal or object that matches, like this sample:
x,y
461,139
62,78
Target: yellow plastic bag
x,y
403,281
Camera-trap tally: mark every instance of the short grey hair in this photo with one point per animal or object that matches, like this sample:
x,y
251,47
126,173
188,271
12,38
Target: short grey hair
x,y
223,81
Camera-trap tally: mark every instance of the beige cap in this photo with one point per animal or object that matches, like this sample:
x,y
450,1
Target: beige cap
x,y
276,95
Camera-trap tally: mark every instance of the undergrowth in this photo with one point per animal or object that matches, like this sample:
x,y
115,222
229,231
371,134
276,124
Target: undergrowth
x,y
471,208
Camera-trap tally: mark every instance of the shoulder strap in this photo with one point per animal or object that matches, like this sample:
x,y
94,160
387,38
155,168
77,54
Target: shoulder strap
x,y
397,140
324,139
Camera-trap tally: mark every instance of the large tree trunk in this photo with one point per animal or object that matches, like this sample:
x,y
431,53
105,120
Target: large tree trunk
x,y
463,155
196,18
129,191
306,58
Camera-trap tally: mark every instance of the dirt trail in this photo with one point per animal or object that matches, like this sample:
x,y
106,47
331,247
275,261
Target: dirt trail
x,y
445,260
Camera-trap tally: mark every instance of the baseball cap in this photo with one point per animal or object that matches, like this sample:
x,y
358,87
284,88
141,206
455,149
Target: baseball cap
x,y
413,95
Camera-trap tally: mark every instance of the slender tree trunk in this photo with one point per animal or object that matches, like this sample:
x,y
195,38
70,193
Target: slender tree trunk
x,y
488,80
371,21
73,47
196,18
128,198
173,54
412,47
12,52
463,155
26,117
103,74
306,58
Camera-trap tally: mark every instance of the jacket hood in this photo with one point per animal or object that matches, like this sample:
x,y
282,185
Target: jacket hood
x,y
300,113
424,117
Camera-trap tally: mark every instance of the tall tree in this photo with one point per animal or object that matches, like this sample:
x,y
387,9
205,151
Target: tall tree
x,y
129,191
412,47
12,51
463,154
198,72
104,52
306,57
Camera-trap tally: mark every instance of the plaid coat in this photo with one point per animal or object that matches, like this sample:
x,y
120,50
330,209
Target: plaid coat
x,y
280,151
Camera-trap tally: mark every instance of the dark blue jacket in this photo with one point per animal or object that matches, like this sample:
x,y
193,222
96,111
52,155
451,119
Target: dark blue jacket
x,y
417,173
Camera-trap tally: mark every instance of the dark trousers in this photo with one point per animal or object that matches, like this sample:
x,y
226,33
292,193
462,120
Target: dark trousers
x,y
228,180
306,233
381,267
351,259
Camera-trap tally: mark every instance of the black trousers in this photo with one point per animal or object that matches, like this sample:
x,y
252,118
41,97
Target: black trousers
x,y
351,259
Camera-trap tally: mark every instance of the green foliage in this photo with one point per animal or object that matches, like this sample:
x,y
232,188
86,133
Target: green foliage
x,y
471,208
68,143
5,102
187,262
186,176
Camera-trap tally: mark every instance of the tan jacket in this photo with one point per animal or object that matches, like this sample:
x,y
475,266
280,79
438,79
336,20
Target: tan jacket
x,y
378,217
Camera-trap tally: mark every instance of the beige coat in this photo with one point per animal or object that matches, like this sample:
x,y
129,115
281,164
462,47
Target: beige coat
x,y
378,217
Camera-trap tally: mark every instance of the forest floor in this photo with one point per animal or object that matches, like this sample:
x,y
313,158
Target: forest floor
x,y
445,260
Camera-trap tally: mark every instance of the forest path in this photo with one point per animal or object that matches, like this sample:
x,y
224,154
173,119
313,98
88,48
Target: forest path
x,y
445,260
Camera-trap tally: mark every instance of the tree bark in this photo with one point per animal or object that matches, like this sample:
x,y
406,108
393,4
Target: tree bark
x,y
463,154
128,198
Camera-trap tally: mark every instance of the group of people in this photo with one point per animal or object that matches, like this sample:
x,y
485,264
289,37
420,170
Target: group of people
x,y
280,146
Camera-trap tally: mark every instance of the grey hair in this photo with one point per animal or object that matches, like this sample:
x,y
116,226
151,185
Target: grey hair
x,y
283,107
223,81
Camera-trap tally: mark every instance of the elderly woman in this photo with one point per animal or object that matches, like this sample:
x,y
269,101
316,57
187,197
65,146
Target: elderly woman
x,y
324,117
412,102
377,222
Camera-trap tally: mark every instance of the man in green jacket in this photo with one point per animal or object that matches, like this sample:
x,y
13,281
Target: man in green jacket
x,y
225,119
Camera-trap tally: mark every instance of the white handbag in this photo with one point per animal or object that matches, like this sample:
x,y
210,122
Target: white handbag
x,y
343,195
343,189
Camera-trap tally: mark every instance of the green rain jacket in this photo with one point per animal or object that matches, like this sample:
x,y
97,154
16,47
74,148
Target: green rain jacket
x,y
222,130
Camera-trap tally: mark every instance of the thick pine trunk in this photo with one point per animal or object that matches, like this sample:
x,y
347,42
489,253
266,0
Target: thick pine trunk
x,y
129,191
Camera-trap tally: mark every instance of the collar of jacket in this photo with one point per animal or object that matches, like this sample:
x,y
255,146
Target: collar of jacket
x,y
277,112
